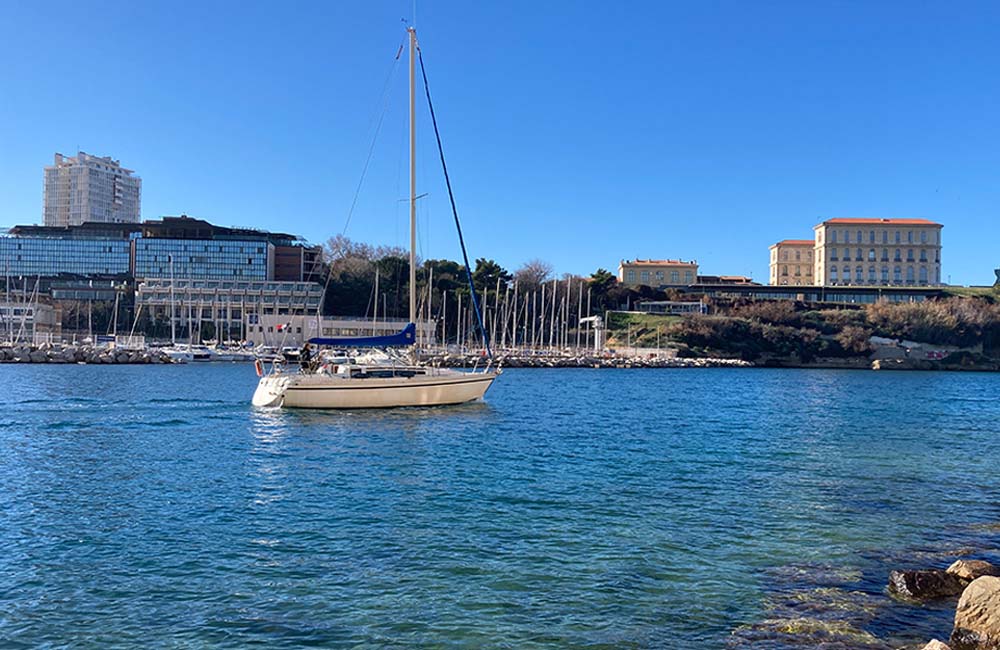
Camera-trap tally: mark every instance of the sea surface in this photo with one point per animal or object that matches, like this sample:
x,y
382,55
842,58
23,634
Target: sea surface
x,y
698,509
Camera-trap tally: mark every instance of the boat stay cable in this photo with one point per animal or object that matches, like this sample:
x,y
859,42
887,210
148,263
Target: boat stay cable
x,y
454,209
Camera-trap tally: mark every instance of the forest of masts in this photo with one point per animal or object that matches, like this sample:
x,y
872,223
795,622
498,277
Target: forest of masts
x,y
544,319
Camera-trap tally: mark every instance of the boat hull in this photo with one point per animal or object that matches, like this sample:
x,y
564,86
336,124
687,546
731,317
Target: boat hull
x,y
321,392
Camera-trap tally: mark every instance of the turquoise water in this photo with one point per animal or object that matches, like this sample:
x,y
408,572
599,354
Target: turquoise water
x,y
152,506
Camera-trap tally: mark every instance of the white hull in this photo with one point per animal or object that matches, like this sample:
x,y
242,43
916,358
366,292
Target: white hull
x,y
333,392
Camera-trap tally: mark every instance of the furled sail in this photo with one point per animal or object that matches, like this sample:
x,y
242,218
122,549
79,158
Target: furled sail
x,y
406,336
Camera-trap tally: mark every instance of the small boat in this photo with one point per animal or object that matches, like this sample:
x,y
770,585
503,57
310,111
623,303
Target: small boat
x,y
378,381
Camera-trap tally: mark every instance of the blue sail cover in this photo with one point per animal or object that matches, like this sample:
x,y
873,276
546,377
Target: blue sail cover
x,y
405,337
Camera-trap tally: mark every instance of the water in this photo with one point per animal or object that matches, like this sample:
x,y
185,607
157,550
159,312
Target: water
x,y
152,506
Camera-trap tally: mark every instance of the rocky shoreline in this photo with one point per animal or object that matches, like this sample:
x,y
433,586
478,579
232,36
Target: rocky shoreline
x,y
79,354
951,602
581,361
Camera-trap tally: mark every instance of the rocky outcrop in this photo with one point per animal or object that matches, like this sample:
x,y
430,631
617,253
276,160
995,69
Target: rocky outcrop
x,y
977,619
936,645
973,569
925,585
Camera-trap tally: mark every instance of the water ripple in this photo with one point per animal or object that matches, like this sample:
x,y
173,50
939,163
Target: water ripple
x,y
574,509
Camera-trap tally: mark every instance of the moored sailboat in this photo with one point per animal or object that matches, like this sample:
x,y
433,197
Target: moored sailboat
x,y
347,382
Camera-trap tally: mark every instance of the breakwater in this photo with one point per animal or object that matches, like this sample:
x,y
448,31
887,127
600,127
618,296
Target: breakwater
x,y
79,354
519,360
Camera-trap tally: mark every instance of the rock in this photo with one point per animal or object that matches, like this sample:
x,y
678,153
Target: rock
x,y
924,585
38,356
972,569
936,645
977,619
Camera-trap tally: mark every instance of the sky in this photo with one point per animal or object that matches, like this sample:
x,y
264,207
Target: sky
x,y
578,133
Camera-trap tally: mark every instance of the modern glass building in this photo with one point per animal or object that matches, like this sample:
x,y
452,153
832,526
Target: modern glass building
x,y
47,257
206,259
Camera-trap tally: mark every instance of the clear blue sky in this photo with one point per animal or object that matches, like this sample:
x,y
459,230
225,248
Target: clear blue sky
x,y
578,133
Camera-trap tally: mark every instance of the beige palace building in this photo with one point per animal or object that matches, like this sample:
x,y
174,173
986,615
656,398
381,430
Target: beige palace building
x,y
792,262
657,273
878,252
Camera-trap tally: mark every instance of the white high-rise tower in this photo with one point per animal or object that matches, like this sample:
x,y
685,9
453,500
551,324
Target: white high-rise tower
x,y
87,188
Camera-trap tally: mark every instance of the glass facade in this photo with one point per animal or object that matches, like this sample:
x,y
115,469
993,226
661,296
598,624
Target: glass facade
x,y
209,259
46,257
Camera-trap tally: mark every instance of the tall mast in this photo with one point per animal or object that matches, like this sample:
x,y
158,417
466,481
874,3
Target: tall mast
x,y
413,178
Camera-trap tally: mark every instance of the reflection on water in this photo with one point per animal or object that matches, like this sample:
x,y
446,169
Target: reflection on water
x,y
575,508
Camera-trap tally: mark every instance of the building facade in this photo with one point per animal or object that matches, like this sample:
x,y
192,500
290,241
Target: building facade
x,y
226,304
792,262
878,252
294,330
52,256
206,259
657,273
171,247
87,188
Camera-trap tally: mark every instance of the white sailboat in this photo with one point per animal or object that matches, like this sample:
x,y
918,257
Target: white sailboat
x,y
350,382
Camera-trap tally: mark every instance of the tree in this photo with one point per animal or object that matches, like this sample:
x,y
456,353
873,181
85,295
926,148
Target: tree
x,y
486,274
532,274
603,294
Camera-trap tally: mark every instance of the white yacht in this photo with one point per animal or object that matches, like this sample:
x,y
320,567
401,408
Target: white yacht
x,y
346,382
377,382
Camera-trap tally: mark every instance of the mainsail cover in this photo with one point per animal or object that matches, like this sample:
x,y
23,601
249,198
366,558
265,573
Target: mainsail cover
x,y
405,337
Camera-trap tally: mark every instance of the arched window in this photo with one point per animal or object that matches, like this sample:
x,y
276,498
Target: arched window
x,y
909,274
897,237
885,274
833,236
898,257
897,274
847,274
858,255
871,237
885,254
923,275
923,255
909,254
885,236
871,254
923,236
833,274
859,274
859,236
871,274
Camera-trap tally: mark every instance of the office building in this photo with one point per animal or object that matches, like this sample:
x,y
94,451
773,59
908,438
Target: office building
x,y
87,188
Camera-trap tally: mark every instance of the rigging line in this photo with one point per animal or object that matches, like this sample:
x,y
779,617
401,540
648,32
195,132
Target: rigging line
x,y
454,210
378,128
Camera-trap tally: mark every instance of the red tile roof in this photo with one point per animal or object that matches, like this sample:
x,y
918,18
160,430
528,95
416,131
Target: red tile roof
x,y
796,242
885,222
691,263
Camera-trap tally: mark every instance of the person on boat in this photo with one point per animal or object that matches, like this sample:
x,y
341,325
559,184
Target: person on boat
x,y
305,357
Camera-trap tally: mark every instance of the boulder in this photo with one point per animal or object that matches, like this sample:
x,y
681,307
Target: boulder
x,y
38,356
925,585
977,619
972,569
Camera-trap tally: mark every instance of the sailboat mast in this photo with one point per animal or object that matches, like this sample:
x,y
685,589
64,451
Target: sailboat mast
x,y
413,177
